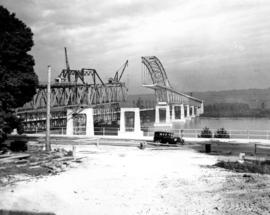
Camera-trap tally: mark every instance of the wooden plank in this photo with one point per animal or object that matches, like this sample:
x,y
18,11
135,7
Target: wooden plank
x,y
4,156
13,157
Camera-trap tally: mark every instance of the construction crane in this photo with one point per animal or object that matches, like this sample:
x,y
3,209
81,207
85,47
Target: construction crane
x,y
119,73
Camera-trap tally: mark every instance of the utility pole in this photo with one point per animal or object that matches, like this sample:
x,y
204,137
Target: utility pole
x,y
48,144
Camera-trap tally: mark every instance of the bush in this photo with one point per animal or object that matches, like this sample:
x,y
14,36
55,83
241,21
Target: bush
x,y
3,146
13,122
18,146
3,136
205,133
261,167
221,133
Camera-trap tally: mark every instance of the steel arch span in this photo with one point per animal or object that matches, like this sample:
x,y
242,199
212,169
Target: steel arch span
x,y
154,76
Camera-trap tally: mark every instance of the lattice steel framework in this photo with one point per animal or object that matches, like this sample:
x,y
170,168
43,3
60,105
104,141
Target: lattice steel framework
x,y
154,76
104,98
70,95
75,89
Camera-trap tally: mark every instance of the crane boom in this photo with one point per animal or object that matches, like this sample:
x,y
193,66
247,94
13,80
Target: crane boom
x,y
66,59
126,64
117,78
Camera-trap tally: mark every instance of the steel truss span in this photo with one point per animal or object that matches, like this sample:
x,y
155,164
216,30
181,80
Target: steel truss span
x,y
104,98
75,89
154,76
73,95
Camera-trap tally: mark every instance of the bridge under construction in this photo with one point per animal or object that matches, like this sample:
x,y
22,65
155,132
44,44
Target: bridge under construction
x,y
75,92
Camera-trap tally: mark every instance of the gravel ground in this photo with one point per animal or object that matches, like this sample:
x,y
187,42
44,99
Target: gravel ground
x,y
127,180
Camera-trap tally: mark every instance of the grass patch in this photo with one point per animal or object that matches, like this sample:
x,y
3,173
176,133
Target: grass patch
x,y
261,167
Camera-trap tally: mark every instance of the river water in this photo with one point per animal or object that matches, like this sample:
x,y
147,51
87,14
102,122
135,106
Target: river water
x,y
227,123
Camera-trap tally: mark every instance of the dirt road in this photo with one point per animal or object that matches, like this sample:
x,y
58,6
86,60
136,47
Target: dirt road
x,y
126,180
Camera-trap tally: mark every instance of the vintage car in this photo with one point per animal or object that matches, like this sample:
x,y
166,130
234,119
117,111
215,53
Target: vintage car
x,y
167,138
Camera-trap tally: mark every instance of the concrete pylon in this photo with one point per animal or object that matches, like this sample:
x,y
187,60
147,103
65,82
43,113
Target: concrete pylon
x,y
168,121
202,108
89,121
193,111
137,132
188,112
173,113
168,117
157,120
196,111
181,117
182,112
69,125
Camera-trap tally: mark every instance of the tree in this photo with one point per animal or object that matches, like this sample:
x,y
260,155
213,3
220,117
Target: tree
x,y
18,80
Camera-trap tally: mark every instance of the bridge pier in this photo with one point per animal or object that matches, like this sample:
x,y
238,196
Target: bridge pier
x,y
69,125
134,130
192,111
167,121
196,111
187,112
180,117
200,110
80,123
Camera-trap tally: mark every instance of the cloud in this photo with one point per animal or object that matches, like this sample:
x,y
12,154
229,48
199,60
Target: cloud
x,y
203,45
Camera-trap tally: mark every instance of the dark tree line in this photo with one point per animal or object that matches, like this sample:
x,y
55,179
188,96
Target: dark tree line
x,y
18,80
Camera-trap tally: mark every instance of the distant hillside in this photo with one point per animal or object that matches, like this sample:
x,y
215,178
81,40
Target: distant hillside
x,y
255,98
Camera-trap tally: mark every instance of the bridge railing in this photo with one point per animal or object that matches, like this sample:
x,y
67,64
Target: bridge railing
x,y
106,131
149,131
59,130
194,133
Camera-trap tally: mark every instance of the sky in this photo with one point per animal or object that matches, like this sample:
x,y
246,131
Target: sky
x,y
203,45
